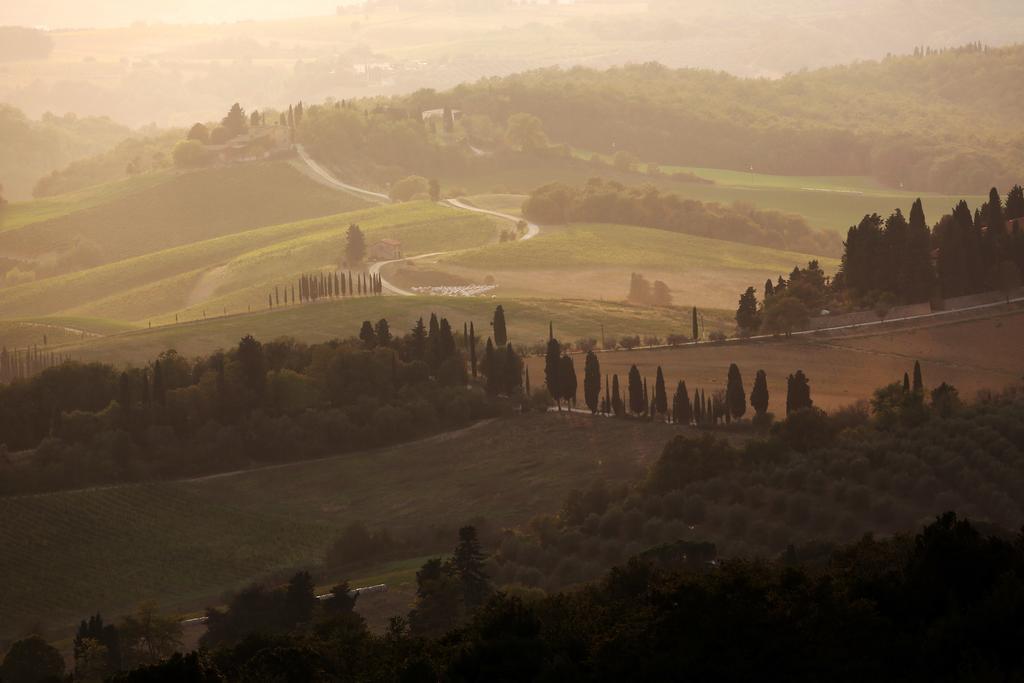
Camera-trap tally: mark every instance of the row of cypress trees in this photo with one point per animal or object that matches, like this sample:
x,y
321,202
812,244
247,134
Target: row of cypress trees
x,y
331,285
24,363
638,400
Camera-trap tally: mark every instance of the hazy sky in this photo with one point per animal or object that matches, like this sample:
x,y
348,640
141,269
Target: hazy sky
x,y
96,13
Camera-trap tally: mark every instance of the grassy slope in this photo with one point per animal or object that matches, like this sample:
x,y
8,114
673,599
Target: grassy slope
x,y
58,330
70,554
527,319
163,282
817,198
594,261
168,209
20,214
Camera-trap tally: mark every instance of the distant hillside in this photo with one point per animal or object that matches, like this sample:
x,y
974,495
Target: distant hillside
x,y
30,149
939,122
155,212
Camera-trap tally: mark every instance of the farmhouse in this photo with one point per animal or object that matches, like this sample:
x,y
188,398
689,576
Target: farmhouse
x,y
386,249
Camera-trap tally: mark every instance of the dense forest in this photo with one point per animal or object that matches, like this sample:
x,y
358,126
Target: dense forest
x,y
601,201
256,403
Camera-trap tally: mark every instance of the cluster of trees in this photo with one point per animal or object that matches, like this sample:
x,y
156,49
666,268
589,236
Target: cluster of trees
x,y
605,201
258,402
100,649
942,604
901,260
641,291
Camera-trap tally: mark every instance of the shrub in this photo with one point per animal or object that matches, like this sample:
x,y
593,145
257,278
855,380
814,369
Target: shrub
x,y
190,154
409,187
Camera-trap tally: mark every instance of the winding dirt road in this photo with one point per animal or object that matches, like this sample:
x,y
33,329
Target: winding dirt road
x,y
325,176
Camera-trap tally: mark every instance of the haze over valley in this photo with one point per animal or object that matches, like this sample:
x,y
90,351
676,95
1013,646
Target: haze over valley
x,y
506,341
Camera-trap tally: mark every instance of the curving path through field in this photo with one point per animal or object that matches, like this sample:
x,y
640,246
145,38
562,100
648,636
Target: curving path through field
x,y
532,229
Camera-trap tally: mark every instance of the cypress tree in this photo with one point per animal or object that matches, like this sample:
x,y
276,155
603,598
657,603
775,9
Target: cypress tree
x,y
606,404
351,290
552,366
682,413
592,381
735,394
906,383
617,406
500,331
696,329
270,300
367,335
472,349
337,285
759,394
660,396
469,562
124,392
918,381
158,384
698,407
635,390
382,332
512,371
567,381
493,384
418,342
647,399
798,392
277,296
527,381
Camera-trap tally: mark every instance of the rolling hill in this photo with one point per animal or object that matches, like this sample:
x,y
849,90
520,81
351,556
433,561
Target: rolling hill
x,y
166,209
527,318
183,543
595,261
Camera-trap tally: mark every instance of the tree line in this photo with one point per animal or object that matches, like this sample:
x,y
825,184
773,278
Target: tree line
x,y
606,201
900,260
90,423
639,400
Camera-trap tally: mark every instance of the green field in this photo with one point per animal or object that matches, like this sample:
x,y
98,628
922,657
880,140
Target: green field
x,y
831,203
168,209
70,554
155,286
57,330
595,261
527,321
